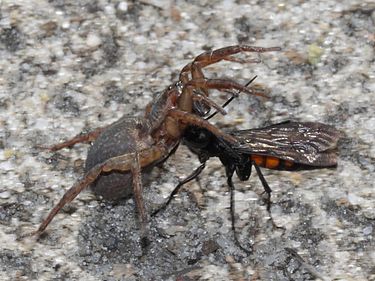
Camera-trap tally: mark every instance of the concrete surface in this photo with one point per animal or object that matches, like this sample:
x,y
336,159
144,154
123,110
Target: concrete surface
x,y
70,66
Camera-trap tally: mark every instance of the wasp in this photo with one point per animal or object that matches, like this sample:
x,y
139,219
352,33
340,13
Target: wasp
x,y
286,146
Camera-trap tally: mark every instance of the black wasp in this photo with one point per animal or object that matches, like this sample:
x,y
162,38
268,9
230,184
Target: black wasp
x,y
284,146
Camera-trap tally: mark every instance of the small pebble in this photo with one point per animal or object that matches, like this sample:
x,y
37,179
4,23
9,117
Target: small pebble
x,y
4,195
123,6
93,40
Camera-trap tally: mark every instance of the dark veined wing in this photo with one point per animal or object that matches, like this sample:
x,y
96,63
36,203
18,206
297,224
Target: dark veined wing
x,y
307,143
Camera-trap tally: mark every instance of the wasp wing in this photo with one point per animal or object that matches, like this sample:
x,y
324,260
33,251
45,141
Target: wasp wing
x,y
307,143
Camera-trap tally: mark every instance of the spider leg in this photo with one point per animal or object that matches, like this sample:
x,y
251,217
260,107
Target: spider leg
x,y
119,163
211,57
210,103
221,85
138,191
185,101
237,60
186,119
234,95
81,138
195,68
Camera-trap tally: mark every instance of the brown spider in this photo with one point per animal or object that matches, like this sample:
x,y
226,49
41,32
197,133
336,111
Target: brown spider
x,y
134,144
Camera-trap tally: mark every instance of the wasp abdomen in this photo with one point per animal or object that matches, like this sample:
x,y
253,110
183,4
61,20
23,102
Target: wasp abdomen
x,y
271,162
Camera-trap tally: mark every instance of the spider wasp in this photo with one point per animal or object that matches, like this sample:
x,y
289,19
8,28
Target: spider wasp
x,y
286,146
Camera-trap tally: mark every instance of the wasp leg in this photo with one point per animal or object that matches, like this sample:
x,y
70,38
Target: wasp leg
x,y
189,178
81,138
119,163
267,188
229,172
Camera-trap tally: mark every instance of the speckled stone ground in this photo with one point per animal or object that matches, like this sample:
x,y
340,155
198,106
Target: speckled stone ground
x,y
70,66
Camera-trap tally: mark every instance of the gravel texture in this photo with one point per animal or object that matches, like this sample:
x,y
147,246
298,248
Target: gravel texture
x,y
71,66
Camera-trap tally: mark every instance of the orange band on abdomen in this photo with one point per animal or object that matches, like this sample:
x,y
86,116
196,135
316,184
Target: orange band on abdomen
x,y
271,162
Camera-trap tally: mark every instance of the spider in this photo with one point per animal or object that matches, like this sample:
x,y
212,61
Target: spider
x,y
132,145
